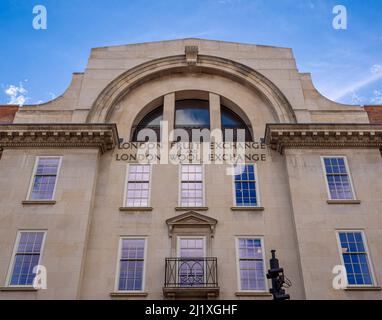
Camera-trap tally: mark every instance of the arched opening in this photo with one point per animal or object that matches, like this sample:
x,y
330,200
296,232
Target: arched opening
x,y
148,129
191,119
232,124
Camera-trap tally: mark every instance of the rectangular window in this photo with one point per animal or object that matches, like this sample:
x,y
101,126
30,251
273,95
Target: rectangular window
x,y
338,179
192,186
246,186
26,256
251,266
355,258
138,185
44,178
132,264
191,270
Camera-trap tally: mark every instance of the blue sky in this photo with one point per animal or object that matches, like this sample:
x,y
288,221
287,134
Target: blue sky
x,y
36,65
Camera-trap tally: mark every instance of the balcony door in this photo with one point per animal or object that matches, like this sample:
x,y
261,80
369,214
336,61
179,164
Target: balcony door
x,y
191,264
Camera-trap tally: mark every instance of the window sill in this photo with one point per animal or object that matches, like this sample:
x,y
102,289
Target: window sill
x,y
25,289
252,294
247,208
38,202
344,201
132,209
363,288
128,294
191,208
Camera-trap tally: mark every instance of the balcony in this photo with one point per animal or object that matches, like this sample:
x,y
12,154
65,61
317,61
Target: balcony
x,y
191,278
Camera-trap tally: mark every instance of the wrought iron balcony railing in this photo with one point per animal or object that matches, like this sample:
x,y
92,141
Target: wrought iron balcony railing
x,y
191,273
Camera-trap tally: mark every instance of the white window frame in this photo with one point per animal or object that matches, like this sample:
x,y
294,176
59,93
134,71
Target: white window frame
x,y
127,181
369,260
180,184
34,174
116,284
347,171
257,184
261,238
15,247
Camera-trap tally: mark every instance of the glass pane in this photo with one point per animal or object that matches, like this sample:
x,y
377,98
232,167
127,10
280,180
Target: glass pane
x,y
245,186
137,194
47,166
153,118
191,186
26,258
194,113
45,179
131,264
355,258
131,275
133,248
252,276
191,248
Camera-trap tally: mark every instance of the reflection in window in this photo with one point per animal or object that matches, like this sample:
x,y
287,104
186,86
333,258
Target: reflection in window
x,y
355,258
138,185
192,113
191,270
191,186
251,264
27,256
338,179
230,120
131,265
45,178
149,126
245,186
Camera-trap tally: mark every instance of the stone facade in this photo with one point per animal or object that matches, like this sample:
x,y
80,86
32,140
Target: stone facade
x,y
122,84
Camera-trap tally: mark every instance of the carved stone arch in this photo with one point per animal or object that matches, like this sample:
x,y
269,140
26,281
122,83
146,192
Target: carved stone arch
x,y
122,85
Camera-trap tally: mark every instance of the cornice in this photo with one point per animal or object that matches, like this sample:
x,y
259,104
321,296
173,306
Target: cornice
x,y
327,136
101,136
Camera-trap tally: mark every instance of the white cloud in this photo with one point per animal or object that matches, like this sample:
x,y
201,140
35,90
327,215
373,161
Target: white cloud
x,y
16,94
377,68
377,99
374,75
356,99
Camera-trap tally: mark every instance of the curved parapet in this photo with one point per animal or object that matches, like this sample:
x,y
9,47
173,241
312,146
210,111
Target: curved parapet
x,y
322,109
118,88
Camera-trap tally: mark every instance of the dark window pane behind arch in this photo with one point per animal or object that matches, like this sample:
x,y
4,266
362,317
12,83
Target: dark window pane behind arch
x,y
151,124
230,120
192,114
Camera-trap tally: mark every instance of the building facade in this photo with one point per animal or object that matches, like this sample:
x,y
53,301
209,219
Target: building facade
x,y
75,199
